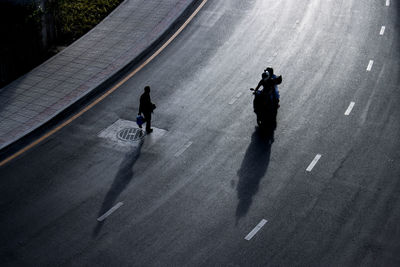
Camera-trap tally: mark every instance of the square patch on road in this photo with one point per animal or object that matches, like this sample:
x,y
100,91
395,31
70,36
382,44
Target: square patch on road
x,y
124,133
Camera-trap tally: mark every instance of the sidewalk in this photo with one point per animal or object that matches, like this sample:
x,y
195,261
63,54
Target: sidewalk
x,y
130,30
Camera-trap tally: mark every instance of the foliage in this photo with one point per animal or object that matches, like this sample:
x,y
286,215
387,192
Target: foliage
x,y
22,46
76,17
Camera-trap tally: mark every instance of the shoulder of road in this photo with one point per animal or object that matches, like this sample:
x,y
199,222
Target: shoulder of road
x,y
122,39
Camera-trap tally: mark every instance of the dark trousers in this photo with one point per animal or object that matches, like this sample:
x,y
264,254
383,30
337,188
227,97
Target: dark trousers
x,y
147,118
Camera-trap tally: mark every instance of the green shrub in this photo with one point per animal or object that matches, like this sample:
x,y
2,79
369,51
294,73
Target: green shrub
x,y
21,46
76,17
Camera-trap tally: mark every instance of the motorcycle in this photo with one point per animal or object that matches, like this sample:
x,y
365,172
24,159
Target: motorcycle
x,y
266,108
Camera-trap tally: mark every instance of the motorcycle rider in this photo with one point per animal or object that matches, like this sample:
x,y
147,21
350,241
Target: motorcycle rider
x,y
266,101
270,82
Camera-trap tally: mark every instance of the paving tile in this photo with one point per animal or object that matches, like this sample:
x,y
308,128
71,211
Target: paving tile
x,y
75,52
54,93
64,57
9,124
38,90
5,114
11,108
59,76
46,102
34,94
41,73
20,90
31,123
49,68
17,131
26,98
19,118
27,113
68,69
8,93
82,76
49,83
76,65
23,84
3,100
35,108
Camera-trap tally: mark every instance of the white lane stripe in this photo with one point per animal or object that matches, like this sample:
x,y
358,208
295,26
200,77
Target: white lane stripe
x,y
109,212
233,100
349,108
387,2
312,164
256,229
382,30
186,146
371,62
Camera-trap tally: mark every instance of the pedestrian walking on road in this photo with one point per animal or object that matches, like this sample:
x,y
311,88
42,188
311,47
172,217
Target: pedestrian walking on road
x,y
146,108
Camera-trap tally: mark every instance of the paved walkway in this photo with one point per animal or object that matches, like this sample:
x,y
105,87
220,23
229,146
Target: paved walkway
x,y
37,97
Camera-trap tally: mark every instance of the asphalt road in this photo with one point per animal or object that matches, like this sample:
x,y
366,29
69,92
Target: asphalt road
x,y
194,189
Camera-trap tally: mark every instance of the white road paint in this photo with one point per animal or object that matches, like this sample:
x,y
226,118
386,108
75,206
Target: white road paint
x,y
109,212
256,229
186,146
387,2
233,100
349,108
382,30
371,62
312,164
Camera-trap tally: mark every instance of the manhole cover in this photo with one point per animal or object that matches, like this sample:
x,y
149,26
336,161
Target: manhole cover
x,y
130,134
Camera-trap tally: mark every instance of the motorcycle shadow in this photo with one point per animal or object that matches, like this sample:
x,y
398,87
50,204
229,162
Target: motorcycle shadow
x,y
253,168
268,127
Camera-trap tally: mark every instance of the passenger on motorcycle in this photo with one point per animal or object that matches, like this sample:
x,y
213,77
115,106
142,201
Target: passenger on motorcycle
x,y
270,92
277,80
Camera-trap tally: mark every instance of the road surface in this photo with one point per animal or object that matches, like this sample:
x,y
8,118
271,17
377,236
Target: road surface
x,y
206,188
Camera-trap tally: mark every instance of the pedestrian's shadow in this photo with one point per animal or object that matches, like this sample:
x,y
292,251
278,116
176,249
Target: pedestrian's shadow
x,y
254,166
121,181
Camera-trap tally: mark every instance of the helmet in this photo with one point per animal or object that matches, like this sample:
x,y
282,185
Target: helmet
x,y
265,75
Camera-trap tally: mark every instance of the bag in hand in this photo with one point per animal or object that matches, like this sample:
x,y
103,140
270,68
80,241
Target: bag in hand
x,y
139,120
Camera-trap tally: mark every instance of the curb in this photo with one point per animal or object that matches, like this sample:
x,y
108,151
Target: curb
x,y
15,145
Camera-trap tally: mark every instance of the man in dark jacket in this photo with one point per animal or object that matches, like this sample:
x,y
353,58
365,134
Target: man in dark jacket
x,y
146,108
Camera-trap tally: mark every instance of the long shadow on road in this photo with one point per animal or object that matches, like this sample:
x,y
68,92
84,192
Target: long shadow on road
x,y
121,181
252,170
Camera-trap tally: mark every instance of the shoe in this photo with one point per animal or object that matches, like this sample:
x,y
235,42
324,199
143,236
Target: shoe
x,y
149,131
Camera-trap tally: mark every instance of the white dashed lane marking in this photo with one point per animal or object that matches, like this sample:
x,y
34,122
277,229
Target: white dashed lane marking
x,y
109,212
313,163
369,67
382,30
387,2
256,229
233,100
186,146
349,108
